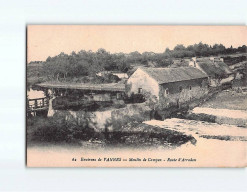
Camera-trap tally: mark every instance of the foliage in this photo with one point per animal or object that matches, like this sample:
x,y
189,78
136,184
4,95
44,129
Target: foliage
x,y
58,129
151,100
88,63
201,49
234,60
83,63
136,98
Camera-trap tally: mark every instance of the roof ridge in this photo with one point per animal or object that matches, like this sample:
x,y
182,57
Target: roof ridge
x,y
174,74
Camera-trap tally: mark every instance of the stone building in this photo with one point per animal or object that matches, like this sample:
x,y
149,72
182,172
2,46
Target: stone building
x,y
169,85
218,72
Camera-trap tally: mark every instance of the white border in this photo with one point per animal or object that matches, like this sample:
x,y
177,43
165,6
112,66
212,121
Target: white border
x,y
15,15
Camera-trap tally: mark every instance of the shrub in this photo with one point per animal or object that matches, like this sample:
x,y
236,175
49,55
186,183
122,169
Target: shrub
x,y
118,104
136,98
57,129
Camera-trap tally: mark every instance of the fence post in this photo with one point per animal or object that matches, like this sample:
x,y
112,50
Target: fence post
x,y
35,103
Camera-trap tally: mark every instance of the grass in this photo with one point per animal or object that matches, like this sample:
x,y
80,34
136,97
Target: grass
x,y
228,99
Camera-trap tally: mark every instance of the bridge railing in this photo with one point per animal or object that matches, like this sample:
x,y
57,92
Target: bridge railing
x,y
38,103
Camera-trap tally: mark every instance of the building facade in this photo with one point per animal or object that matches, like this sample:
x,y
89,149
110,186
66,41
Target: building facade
x,y
169,85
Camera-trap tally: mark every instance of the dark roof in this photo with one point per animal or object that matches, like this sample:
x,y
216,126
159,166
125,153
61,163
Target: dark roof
x,y
115,87
169,75
211,68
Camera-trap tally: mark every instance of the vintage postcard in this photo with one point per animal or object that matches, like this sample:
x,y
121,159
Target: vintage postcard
x,y
136,96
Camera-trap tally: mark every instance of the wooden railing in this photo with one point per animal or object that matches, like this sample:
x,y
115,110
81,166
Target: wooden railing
x,y
37,104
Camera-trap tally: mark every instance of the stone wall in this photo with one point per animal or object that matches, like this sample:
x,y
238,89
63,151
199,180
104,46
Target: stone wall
x,y
191,90
112,119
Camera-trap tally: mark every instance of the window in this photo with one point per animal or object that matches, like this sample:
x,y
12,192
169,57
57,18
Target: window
x,y
118,96
139,90
166,92
180,89
190,87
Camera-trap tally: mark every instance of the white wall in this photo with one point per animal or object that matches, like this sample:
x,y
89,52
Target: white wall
x,y
140,79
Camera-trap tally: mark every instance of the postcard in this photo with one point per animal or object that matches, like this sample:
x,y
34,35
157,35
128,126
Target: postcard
x,y
136,96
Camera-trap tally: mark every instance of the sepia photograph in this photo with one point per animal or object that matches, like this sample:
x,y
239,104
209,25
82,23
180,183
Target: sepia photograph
x,y
136,96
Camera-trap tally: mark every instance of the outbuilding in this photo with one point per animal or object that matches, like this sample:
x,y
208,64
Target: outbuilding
x,y
218,72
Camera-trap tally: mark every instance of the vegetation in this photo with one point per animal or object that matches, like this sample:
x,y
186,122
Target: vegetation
x,y
83,63
88,63
234,60
57,129
203,50
140,134
135,98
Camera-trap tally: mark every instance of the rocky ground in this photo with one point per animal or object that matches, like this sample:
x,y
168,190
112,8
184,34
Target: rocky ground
x,y
224,117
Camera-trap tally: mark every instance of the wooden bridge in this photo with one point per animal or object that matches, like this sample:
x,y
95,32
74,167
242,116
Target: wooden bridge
x,y
38,104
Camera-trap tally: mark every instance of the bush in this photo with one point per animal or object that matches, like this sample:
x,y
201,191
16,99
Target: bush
x,y
136,98
118,104
56,129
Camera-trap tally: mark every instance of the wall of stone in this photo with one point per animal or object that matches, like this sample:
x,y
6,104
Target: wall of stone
x,y
192,89
112,119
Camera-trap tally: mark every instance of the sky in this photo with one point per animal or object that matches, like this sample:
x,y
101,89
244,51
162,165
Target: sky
x,y
50,40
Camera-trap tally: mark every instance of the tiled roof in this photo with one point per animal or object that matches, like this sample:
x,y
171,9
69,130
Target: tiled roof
x,y
211,68
168,75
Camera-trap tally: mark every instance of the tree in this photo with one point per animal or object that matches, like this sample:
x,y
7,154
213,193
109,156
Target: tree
x,y
179,47
88,63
